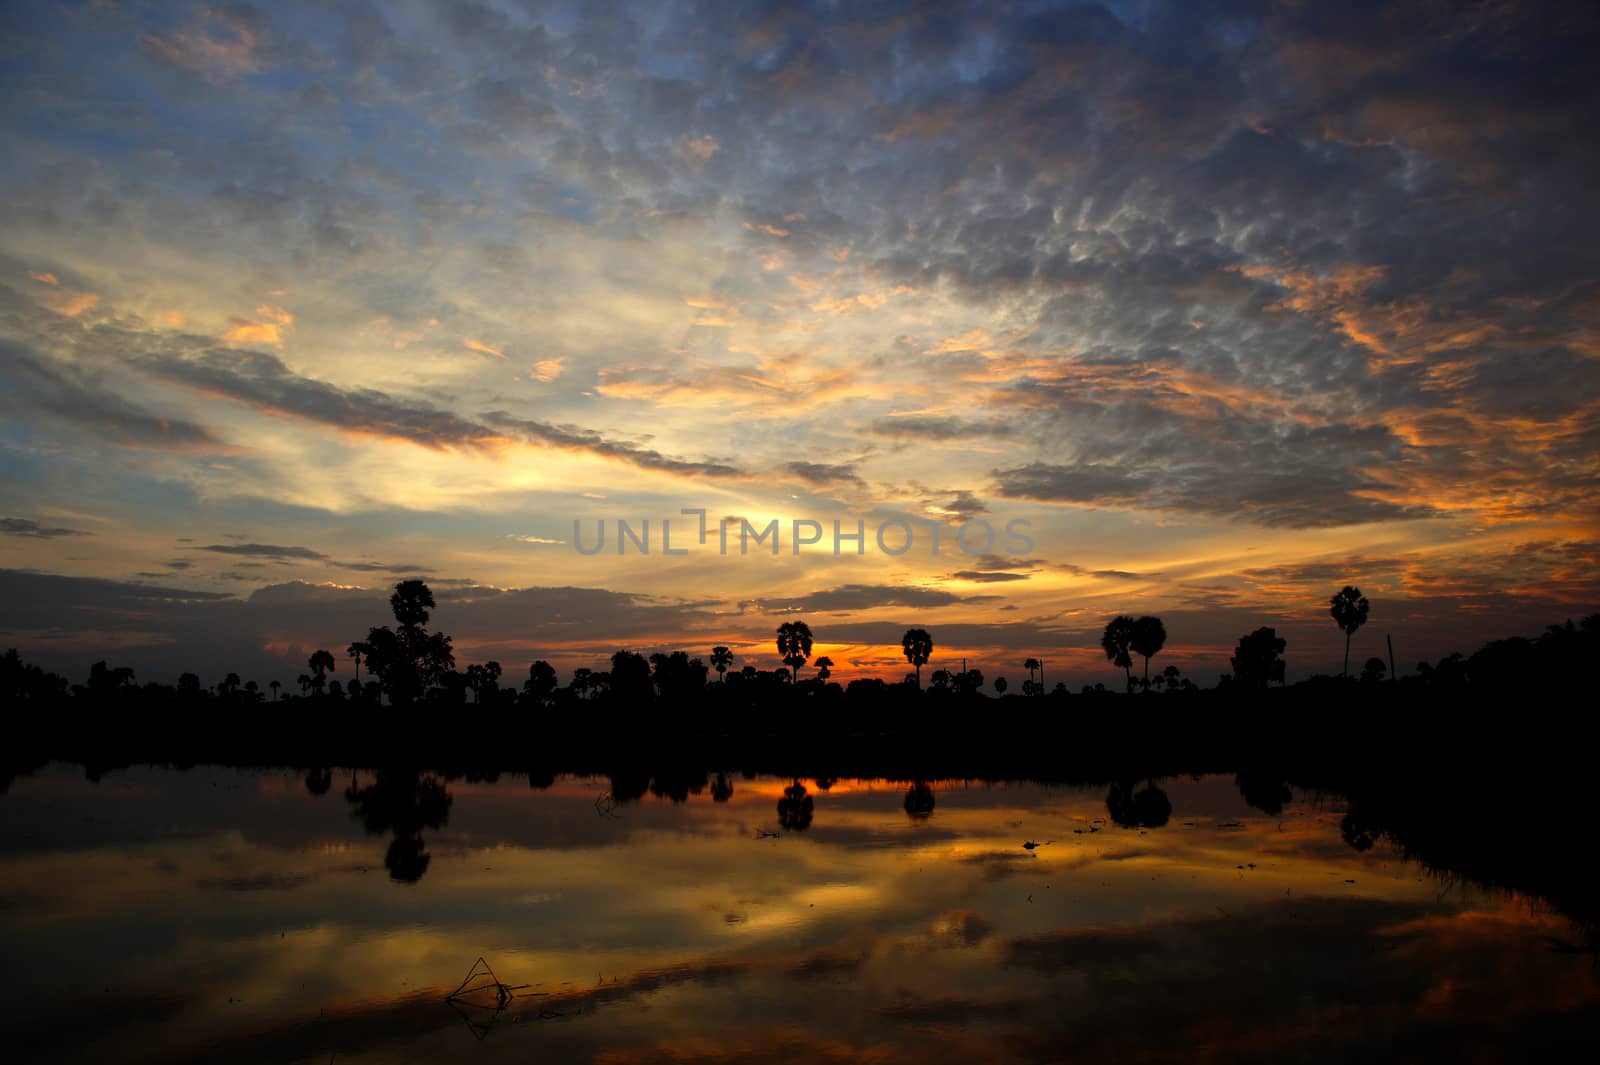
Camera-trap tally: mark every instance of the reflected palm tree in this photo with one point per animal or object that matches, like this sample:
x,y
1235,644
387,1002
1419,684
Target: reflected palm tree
x,y
1149,807
1265,792
795,808
318,781
403,802
721,788
919,801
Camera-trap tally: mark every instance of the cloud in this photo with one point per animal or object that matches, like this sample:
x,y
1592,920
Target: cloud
x,y
852,597
962,506
924,427
28,527
265,382
987,576
385,567
81,399
218,44
272,551
572,438
825,475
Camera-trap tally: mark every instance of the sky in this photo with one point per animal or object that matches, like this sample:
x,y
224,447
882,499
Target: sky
x,y
1215,307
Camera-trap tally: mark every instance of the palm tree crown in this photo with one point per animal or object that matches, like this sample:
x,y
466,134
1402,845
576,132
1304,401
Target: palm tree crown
x,y
721,659
1349,608
1149,637
794,644
1117,641
918,648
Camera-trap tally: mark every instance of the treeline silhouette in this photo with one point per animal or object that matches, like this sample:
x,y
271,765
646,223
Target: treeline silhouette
x,y
407,665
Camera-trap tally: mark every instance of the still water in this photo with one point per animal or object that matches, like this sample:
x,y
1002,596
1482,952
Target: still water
x,y
269,916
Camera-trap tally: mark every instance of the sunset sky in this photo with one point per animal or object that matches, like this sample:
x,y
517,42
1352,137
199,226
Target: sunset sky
x,y
1234,303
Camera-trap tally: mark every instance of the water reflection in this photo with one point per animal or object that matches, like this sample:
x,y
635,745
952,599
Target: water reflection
x,y
795,808
919,800
403,802
221,915
1148,807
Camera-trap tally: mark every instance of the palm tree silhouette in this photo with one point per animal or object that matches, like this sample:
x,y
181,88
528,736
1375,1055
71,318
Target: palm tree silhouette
x,y
919,801
1030,665
1349,609
794,644
1149,637
355,651
274,685
1117,641
304,682
795,808
321,663
999,685
918,648
824,668
721,659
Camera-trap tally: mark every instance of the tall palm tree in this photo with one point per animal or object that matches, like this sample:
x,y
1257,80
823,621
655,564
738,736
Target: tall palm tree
x,y
794,644
1030,665
321,662
824,668
918,648
1149,637
356,650
1117,641
1349,609
721,659
304,682
274,685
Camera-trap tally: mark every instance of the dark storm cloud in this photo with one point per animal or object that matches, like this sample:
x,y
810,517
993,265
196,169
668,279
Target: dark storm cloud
x,y
30,528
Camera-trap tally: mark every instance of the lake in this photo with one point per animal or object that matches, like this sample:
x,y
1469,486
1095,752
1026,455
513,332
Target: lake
x,y
232,915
